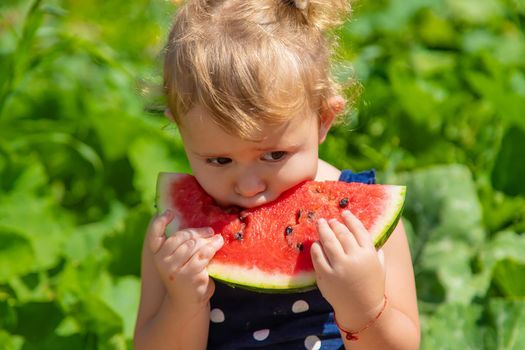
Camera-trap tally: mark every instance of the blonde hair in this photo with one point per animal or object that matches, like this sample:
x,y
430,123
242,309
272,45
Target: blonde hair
x,y
251,61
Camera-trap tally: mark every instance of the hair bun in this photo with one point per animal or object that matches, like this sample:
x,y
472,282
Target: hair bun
x,y
301,4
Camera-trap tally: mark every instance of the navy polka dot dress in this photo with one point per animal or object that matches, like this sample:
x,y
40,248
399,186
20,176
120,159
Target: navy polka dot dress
x,y
242,319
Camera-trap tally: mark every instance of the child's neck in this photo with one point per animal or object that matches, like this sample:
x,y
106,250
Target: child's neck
x,y
326,172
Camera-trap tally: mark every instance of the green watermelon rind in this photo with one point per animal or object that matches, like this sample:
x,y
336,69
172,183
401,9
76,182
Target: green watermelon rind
x,y
397,209
304,282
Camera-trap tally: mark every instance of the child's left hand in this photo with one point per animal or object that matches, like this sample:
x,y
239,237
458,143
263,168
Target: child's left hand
x,y
349,271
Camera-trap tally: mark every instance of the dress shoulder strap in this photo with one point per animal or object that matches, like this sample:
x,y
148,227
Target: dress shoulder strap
x,y
366,177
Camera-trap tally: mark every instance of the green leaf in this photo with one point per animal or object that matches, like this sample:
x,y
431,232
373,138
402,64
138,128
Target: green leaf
x,y
509,169
419,98
89,285
453,327
445,212
442,203
55,342
96,316
16,255
504,245
117,132
123,297
30,210
436,30
127,241
495,90
35,218
149,157
21,58
80,291
429,287
10,342
87,241
37,320
78,281
508,276
8,318
508,317
426,63
475,12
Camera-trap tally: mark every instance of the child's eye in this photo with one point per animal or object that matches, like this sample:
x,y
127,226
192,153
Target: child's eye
x,y
273,156
218,161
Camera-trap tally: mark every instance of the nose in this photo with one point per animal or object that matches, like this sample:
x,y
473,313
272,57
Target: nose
x,y
249,185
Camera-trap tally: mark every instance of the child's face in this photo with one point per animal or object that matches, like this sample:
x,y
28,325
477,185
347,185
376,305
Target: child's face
x,y
246,173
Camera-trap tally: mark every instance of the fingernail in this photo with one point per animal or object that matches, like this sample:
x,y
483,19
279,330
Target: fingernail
x,y
333,221
167,212
191,242
209,231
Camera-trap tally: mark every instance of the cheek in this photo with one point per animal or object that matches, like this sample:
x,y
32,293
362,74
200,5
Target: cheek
x,y
297,170
208,181
216,187
212,184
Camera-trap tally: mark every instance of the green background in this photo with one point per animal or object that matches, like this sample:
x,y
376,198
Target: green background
x,y
82,138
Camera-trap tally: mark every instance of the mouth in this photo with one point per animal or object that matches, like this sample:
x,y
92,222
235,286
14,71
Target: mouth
x,y
256,201
237,205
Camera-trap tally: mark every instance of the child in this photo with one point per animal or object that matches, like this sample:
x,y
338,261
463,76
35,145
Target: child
x,y
249,87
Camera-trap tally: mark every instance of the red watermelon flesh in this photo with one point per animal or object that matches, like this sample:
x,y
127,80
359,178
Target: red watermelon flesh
x,y
268,248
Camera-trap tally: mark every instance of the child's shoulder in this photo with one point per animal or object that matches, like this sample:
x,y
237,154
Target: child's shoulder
x,y
326,171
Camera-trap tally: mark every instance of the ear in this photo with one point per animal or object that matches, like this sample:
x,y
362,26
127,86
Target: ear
x,y
330,109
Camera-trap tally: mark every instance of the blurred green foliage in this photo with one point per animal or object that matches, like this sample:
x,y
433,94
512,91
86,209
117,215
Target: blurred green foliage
x,y
82,138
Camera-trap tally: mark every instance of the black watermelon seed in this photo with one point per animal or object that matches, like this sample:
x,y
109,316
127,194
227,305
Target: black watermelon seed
x,y
288,231
238,236
300,246
311,215
343,203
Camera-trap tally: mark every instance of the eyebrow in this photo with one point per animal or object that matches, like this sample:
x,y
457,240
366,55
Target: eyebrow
x,y
209,155
290,147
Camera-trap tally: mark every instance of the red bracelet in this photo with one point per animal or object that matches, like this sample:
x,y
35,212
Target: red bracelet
x,y
353,335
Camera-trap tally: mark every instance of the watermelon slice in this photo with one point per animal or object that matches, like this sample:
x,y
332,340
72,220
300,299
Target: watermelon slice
x,y
268,248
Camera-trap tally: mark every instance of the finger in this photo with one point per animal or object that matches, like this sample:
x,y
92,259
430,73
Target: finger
x,y
346,238
188,249
319,259
329,242
202,256
355,226
157,230
186,237
180,255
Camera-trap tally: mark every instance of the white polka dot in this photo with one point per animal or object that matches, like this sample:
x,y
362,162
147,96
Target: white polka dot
x,y
300,306
217,316
261,334
312,343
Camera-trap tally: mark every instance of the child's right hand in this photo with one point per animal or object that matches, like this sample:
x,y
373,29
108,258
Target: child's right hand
x,y
181,261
